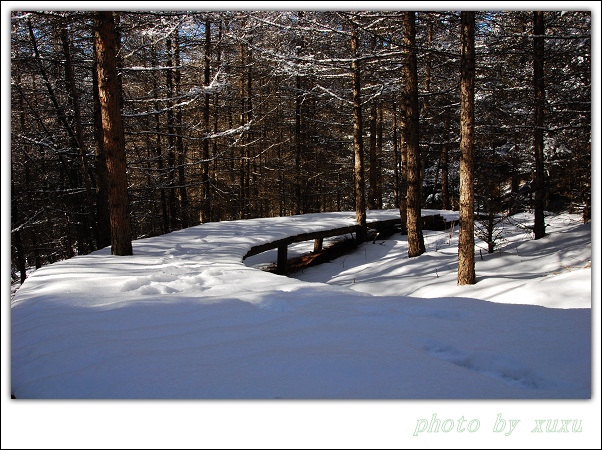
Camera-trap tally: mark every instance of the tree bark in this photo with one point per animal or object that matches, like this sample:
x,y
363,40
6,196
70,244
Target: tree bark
x,y
181,149
539,228
411,137
109,94
446,204
466,263
396,157
102,178
358,148
171,142
372,177
206,199
379,157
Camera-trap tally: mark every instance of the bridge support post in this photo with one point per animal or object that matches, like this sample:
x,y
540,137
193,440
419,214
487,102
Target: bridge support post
x,y
318,244
282,259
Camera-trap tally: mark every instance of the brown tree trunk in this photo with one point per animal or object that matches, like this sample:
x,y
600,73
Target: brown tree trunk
x,y
358,148
403,182
539,228
299,134
396,157
466,264
372,177
411,137
298,146
181,149
206,199
109,94
446,204
243,148
102,178
379,157
171,142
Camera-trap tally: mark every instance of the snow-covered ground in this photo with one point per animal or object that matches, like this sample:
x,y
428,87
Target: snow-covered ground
x,y
186,318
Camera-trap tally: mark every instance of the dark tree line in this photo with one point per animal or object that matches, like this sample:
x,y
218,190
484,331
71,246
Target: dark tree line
x,y
237,114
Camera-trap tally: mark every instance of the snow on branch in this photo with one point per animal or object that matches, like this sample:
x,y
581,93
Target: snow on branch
x,y
185,99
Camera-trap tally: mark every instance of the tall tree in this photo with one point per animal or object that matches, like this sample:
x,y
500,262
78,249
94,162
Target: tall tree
x,y
102,177
206,199
109,94
539,227
358,147
411,136
466,264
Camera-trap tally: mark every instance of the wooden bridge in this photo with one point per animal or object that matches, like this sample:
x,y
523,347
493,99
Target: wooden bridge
x,y
382,227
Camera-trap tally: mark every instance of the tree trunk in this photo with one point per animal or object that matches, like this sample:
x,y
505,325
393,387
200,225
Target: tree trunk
x,y
102,178
171,142
79,134
466,263
298,146
206,199
17,243
358,148
159,149
372,177
396,158
539,228
181,149
379,157
109,94
411,137
445,200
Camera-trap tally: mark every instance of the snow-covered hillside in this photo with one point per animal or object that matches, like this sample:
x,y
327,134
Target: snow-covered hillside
x,y
185,318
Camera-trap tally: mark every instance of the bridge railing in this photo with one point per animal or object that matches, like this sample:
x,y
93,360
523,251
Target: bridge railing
x,y
429,222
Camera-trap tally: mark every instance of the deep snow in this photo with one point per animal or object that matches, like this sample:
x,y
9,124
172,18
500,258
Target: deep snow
x,y
186,318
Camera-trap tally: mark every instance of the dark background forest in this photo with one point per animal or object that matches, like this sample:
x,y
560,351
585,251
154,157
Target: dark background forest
x,y
242,114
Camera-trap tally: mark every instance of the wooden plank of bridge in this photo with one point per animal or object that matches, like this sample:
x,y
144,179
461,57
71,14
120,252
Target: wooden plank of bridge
x,y
318,237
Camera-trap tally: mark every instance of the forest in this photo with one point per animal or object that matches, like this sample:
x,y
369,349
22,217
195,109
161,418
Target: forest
x,y
245,114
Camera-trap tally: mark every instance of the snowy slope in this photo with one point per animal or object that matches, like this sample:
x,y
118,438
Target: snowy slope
x,y
185,318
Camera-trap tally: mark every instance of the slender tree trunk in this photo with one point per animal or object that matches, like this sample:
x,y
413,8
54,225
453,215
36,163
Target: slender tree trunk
x,y
217,212
171,142
379,157
539,228
109,94
79,134
243,149
159,150
411,137
181,149
298,146
249,160
396,157
102,178
206,200
466,263
403,186
446,204
15,204
17,243
372,169
358,148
